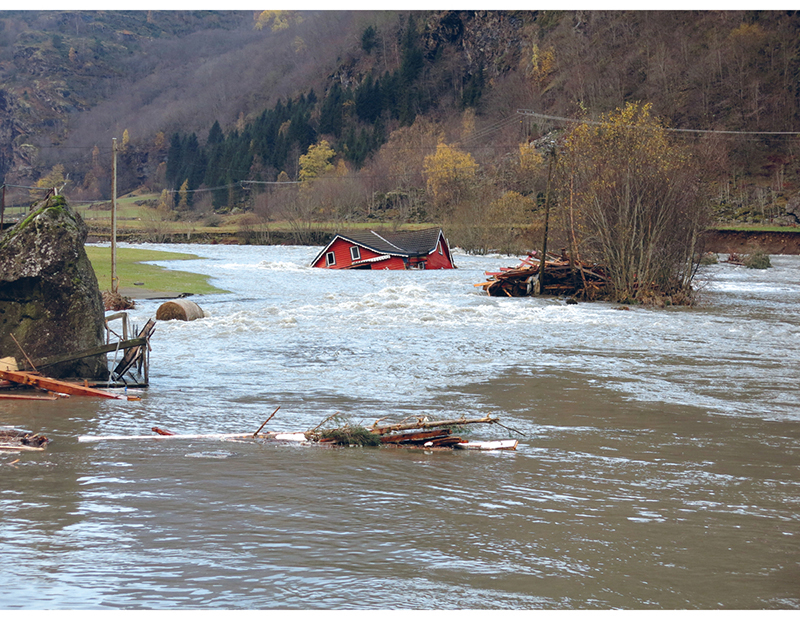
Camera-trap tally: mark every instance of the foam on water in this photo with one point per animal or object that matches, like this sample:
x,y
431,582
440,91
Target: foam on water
x,y
395,336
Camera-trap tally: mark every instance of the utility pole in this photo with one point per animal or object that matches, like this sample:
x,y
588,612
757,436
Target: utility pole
x,y
539,290
3,209
114,284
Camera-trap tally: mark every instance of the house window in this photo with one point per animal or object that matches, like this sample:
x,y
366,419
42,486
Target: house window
x,y
355,252
330,259
440,247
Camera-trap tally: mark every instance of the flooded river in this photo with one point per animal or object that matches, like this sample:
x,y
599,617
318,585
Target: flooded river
x,y
658,464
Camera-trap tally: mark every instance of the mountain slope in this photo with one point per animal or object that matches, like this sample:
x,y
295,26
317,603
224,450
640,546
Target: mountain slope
x,y
73,80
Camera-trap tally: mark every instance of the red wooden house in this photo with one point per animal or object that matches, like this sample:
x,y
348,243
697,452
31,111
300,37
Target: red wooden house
x,y
416,249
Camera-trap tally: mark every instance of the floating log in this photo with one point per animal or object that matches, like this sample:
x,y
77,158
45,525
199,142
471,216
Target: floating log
x,y
28,396
179,309
424,423
504,444
93,438
421,437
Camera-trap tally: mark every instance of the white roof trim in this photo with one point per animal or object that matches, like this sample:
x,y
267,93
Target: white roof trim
x,y
375,259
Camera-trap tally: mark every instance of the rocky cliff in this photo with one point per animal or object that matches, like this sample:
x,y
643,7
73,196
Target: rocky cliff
x,y
49,297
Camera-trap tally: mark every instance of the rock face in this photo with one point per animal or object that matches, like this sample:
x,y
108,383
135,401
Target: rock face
x,y
49,297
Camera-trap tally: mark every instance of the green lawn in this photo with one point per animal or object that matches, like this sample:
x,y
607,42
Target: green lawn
x,y
756,228
131,271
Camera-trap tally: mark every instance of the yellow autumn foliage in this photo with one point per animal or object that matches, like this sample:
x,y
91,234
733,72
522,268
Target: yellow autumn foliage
x,y
317,161
529,158
512,208
276,20
543,63
447,171
53,179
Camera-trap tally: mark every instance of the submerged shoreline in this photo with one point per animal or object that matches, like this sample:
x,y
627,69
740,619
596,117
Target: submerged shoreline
x,y
716,240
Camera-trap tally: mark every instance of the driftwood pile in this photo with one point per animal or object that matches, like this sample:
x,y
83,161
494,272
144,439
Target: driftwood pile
x,y
21,441
115,301
561,277
426,434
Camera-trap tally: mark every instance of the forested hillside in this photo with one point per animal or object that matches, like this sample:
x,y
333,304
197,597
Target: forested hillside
x,y
395,116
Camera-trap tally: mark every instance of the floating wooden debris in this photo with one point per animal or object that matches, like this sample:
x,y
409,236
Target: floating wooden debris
x,y
504,444
561,277
57,386
427,434
49,396
22,441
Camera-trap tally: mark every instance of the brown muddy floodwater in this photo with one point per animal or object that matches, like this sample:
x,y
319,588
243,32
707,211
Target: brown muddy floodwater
x,y
658,465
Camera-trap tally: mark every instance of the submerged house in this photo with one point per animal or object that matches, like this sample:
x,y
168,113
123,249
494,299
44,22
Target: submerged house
x,y
415,249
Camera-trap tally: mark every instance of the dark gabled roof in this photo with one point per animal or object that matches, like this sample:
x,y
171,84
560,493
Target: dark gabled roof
x,y
407,243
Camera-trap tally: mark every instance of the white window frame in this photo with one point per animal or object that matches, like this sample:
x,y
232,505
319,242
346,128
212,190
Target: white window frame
x,y
330,259
355,252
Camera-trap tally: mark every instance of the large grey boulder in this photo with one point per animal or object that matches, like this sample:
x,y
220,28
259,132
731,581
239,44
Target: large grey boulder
x,y
49,297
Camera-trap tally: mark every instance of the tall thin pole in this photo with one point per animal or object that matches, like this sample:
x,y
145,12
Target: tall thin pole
x,y
114,284
540,282
3,209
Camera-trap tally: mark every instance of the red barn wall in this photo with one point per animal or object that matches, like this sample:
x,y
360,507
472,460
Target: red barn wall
x,y
341,249
440,261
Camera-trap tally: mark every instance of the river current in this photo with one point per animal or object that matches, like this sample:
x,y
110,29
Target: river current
x,y
658,465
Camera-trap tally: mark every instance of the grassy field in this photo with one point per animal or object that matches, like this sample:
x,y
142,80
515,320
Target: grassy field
x,y
131,271
757,228
133,218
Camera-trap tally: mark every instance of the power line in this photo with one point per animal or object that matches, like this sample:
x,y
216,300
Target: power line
x,y
271,182
41,189
676,129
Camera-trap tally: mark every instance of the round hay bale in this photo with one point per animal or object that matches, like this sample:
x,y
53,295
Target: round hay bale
x,y
180,309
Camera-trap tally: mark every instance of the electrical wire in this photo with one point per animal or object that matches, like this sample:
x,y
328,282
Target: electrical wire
x,y
676,129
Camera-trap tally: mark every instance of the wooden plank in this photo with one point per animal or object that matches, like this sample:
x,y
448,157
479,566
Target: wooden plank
x,y
443,442
94,438
106,348
424,423
54,385
133,355
28,396
421,436
505,444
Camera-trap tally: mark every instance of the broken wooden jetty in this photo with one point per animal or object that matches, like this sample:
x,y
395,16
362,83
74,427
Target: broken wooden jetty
x,y
130,370
421,433
562,276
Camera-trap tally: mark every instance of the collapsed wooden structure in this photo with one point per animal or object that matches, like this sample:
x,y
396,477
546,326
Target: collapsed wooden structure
x,y
129,368
562,276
